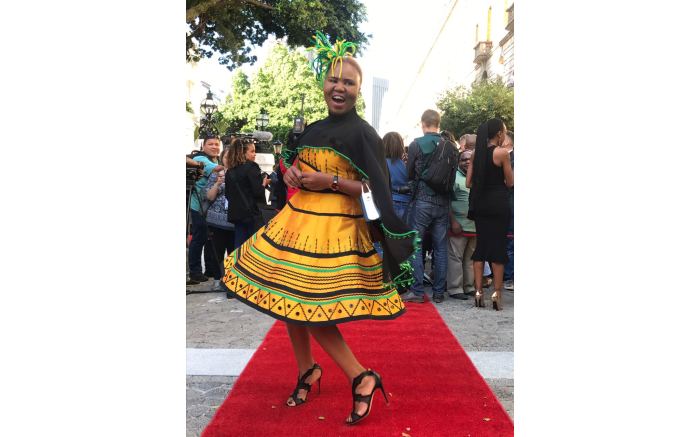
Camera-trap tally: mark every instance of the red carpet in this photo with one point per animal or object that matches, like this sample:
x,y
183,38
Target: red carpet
x,y
435,389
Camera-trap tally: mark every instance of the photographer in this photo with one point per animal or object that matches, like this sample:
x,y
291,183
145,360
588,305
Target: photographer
x,y
208,160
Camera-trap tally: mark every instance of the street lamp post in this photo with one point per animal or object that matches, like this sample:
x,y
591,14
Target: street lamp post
x,y
207,109
299,119
263,120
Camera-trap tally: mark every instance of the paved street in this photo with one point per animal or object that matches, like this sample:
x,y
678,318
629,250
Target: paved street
x,y
222,334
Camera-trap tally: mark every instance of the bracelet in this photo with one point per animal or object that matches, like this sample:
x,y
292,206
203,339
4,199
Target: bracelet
x,y
334,183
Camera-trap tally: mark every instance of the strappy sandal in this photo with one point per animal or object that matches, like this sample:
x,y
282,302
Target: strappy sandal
x,y
367,399
303,385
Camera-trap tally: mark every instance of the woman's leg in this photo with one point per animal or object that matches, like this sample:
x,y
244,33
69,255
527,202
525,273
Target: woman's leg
x,y
478,275
331,340
497,269
301,343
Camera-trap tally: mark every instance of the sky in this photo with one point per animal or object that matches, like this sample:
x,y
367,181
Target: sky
x,y
405,34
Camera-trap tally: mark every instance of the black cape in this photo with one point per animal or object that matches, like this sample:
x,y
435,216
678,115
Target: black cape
x,y
356,140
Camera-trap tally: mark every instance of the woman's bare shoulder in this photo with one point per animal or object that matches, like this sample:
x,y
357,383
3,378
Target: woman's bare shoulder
x,y
501,152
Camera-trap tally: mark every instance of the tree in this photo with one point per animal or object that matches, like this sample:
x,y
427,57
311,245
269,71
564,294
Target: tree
x,y
232,27
277,88
464,109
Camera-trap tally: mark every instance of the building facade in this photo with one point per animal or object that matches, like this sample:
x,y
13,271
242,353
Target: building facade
x,y
379,89
507,45
493,61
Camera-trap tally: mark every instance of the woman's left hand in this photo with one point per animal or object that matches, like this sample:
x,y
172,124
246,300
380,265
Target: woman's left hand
x,y
316,180
219,179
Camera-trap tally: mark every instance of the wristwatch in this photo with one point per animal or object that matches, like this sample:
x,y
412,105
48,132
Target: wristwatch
x,y
334,184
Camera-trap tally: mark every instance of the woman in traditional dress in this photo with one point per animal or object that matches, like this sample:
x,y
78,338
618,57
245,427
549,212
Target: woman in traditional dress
x,y
313,265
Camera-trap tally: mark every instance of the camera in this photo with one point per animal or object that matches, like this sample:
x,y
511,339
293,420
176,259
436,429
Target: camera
x,y
192,174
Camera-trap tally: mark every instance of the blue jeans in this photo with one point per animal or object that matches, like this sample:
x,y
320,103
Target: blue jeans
x,y
428,217
508,273
399,209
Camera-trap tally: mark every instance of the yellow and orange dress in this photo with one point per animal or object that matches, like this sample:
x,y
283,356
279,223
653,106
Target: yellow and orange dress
x,y
314,262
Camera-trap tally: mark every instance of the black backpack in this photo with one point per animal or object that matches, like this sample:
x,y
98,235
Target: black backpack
x,y
441,167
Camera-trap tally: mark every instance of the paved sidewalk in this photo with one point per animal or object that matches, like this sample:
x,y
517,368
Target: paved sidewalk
x,y
214,322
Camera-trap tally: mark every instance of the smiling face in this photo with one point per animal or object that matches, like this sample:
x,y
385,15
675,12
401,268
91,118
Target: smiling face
x,y
341,90
212,148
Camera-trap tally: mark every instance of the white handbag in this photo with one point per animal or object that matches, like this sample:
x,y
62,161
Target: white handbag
x,y
368,207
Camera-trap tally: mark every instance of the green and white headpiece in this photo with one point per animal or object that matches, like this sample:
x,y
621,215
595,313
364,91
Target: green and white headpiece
x,y
328,56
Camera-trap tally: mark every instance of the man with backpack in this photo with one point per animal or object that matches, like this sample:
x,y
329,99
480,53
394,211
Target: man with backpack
x,y
432,164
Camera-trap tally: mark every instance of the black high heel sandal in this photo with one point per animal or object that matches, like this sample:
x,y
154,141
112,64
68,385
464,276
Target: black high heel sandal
x,y
367,399
303,385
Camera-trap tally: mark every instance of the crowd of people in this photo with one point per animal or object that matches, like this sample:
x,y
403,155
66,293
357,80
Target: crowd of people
x,y
228,176
448,231
450,221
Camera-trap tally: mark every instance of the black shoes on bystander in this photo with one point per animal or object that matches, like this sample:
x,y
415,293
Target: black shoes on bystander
x,y
196,278
459,296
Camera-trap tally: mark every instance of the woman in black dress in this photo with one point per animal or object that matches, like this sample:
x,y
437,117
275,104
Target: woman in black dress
x,y
489,176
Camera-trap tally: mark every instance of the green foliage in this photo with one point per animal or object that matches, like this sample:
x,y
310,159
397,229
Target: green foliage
x,y
231,27
277,88
464,109
188,107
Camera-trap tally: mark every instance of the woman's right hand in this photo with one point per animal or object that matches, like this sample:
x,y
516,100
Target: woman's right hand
x,y
292,177
219,179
